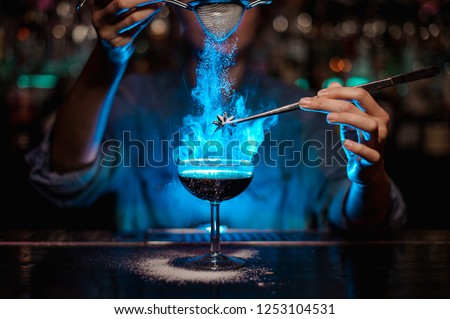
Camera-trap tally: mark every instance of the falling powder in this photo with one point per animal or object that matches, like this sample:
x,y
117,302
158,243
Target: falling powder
x,y
160,268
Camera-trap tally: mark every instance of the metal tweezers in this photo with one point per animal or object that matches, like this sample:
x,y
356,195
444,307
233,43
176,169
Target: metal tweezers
x,y
424,73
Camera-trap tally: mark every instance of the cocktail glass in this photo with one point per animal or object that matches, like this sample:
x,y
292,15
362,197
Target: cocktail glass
x,y
214,180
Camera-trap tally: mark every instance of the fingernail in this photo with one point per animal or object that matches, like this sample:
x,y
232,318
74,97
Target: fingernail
x,y
323,92
348,143
305,101
332,117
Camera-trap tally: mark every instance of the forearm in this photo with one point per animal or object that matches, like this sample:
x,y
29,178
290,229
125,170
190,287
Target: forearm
x,y
81,120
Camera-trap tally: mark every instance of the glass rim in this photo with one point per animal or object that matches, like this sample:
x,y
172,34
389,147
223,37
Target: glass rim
x,y
214,162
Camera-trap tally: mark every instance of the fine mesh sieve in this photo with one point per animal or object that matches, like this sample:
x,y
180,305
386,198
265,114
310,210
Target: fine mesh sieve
x,y
219,18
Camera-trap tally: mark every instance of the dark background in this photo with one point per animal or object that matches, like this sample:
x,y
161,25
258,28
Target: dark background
x,y
301,42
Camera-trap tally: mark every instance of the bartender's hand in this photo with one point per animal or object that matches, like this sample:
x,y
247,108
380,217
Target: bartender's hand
x,y
81,120
364,128
117,24
363,125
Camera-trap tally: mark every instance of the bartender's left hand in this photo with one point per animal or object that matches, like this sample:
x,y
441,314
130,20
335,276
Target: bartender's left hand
x,y
363,126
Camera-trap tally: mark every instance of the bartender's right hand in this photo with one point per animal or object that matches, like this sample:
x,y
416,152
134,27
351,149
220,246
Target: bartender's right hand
x,y
118,22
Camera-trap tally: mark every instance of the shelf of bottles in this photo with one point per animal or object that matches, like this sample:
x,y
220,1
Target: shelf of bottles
x,y
44,43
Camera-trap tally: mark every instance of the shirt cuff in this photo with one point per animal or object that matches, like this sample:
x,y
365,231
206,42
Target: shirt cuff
x,y
394,220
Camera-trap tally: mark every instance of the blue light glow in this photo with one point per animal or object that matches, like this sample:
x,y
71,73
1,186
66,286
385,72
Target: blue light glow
x,y
356,80
207,227
214,95
215,173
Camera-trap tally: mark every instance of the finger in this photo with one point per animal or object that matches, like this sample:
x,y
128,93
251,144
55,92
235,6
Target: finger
x,y
121,32
358,94
335,85
124,38
135,18
365,123
114,8
325,105
364,152
126,3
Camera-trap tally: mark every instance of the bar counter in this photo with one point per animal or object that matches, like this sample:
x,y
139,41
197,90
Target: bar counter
x,y
100,264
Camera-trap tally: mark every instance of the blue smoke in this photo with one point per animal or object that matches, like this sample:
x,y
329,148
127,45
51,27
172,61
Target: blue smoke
x,y
214,95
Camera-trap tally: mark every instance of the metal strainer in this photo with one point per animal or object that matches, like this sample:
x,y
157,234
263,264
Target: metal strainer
x,y
219,18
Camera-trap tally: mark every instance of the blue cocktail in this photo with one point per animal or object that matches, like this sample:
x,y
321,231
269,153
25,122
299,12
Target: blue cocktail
x,y
214,180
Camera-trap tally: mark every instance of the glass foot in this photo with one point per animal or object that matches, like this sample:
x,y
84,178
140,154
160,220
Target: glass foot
x,y
212,261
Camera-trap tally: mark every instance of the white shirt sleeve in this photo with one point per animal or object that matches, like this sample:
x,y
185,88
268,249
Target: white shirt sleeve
x,y
395,219
77,188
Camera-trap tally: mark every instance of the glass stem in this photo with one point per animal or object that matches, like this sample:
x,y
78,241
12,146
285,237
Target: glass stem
x,y
215,228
